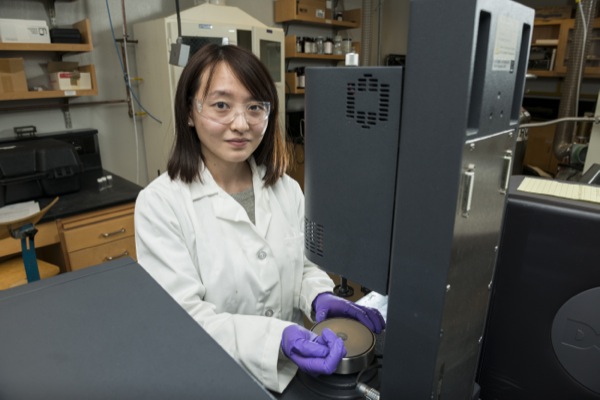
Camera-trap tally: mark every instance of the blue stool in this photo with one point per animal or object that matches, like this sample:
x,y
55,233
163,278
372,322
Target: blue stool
x,y
25,230
27,233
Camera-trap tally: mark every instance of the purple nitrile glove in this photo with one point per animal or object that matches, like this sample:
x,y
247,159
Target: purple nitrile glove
x,y
312,354
328,305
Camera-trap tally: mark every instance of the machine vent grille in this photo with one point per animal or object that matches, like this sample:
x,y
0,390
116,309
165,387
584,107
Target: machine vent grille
x,y
368,101
313,237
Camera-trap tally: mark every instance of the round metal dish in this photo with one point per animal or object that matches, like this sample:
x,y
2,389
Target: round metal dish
x,y
358,340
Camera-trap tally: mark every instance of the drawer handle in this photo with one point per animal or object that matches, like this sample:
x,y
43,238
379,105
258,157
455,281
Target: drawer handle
x,y
109,234
110,258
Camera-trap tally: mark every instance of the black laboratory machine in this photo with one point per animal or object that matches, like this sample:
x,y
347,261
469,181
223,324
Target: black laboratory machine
x,y
406,178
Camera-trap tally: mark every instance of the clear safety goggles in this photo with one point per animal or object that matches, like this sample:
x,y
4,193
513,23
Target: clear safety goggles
x,y
255,112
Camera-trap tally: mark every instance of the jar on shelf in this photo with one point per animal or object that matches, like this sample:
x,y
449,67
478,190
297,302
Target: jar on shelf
x,y
320,45
346,45
309,45
299,44
300,78
337,45
328,46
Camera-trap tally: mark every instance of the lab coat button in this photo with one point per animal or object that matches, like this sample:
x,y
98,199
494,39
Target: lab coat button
x,y
269,312
261,255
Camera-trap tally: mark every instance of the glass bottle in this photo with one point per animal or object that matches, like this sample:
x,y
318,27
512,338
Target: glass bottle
x,y
308,45
300,78
328,46
337,45
320,43
347,45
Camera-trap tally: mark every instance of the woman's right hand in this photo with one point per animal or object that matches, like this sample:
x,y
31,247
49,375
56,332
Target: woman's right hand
x,y
313,354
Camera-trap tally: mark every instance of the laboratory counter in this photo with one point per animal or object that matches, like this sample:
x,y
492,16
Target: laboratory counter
x,y
87,227
93,195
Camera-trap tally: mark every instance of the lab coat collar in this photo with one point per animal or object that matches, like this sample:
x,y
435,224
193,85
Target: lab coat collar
x,y
262,207
231,210
207,187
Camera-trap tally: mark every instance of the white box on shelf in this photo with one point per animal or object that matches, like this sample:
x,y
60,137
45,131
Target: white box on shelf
x,y
24,31
65,80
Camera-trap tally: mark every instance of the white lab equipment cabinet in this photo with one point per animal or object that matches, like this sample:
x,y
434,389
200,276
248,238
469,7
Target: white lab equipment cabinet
x,y
206,23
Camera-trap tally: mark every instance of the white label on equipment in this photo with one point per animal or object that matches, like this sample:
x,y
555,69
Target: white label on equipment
x,y
505,48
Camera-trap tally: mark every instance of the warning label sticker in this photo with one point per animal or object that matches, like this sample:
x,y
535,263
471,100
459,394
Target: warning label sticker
x,y
508,31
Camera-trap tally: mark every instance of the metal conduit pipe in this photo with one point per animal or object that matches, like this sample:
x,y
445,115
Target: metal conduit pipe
x,y
366,32
563,136
379,32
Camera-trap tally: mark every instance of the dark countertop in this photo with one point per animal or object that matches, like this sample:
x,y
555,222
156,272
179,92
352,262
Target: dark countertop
x,y
145,346
90,197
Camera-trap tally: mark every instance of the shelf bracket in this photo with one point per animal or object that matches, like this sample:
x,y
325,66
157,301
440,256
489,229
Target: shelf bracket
x,y
67,114
52,13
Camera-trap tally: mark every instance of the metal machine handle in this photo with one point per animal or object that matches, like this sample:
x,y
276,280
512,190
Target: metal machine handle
x,y
467,198
109,234
110,258
506,170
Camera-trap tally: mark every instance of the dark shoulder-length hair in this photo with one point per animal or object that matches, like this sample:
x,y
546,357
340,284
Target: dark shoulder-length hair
x,y
185,161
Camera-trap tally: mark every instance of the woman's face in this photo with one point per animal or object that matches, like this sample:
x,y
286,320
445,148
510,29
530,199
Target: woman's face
x,y
221,125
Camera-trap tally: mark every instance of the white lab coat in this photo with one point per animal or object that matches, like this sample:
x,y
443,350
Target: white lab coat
x,y
243,283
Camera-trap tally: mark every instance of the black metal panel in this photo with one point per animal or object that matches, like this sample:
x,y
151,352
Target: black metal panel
x,y
351,151
461,98
464,81
537,346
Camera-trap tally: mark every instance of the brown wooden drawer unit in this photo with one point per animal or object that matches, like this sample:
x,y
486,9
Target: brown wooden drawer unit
x,y
102,253
99,236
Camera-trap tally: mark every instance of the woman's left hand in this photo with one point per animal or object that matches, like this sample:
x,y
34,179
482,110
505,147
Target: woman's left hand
x,y
328,305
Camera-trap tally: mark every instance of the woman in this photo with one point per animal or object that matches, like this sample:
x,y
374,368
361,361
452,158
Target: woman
x,y
222,230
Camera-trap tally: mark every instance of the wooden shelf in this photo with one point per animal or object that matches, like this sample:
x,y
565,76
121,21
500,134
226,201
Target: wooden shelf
x,y
291,84
86,46
324,22
49,47
558,30
286,11
50,94
553,74
46,94
545,74
544,45
315,56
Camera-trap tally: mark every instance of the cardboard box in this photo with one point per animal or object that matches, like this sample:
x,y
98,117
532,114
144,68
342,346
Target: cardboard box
x,y
24,31
67,76
307,10
12,75
312,8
